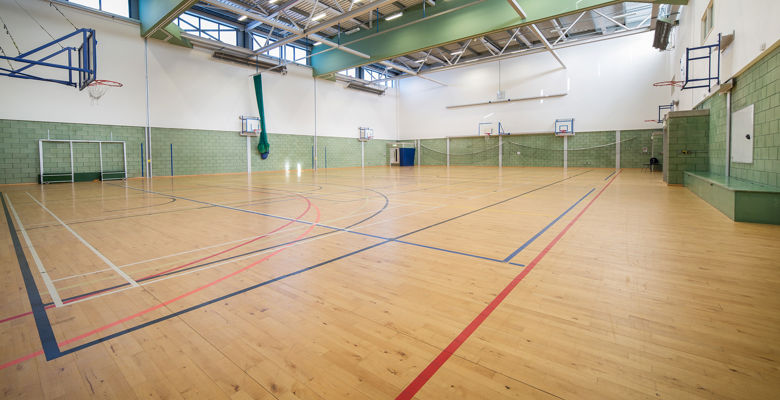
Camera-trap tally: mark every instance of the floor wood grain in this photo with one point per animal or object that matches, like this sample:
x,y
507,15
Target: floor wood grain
x,y
346,283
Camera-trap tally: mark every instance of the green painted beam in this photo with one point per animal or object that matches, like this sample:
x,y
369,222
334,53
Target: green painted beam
x,y
157,14
449,21
172,35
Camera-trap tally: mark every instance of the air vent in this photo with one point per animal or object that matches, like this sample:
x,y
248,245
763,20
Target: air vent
x,y
366,88
252,62
662,30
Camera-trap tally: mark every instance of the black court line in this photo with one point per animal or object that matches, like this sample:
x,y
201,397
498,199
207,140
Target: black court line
x,y
334,230
135,208
264,283
45,332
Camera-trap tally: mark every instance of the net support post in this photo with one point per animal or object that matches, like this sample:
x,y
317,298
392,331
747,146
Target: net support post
x,y
500,151
100,151
565,152
248,155
40,155
124,157
72,172
419,153
362,154
617,150
448,152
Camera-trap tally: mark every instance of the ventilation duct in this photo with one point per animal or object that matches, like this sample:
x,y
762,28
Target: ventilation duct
x,y
662,30
251,62
366,88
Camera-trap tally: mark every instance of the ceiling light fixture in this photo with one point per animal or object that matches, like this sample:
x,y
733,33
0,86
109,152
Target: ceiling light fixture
x,y
319,17
420,61
243,17
317,43
455,53
353,30
394,16
272,1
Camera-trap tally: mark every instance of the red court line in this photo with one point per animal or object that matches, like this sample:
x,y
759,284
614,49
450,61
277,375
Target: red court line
x,y
445,354
150,309
50,306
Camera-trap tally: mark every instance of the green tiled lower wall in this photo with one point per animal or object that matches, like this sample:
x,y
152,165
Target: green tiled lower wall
x,y
637,147
688,146
19,161
717,133
194,151
759,86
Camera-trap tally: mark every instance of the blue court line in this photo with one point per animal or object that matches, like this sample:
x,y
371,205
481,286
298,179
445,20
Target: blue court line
x,y
609,175
244,290
387,202
448,251
212,301
534,237
48,341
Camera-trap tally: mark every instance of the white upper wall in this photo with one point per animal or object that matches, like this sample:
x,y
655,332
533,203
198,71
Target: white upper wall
x,y
755,28
187,88
609,87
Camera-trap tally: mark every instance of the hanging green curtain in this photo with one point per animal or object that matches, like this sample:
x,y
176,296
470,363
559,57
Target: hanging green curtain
x,y
262,146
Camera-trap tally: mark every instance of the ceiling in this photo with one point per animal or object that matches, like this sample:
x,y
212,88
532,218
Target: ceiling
x,y
287,19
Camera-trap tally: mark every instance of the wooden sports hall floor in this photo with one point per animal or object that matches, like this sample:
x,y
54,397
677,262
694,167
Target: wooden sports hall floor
x,y
472,282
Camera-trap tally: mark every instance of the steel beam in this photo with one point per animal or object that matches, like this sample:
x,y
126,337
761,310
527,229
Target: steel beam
x,y
157,14
297,32
325,25
475,20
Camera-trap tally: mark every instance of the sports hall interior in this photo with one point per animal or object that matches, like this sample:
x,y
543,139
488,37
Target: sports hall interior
x,y
389,199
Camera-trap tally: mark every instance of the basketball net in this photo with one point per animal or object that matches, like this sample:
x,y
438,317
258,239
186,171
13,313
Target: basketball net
x,y
98,88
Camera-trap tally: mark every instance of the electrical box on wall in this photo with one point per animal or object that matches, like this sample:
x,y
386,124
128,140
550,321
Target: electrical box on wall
x,y
742,135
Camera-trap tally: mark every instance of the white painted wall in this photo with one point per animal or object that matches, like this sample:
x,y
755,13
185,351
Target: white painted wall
x,y
188,89
609,82
754,24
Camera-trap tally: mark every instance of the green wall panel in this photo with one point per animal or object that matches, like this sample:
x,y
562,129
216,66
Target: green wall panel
x,y
759,86
19,148
688,146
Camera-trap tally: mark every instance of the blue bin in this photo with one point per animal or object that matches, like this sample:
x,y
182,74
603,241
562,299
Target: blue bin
x,y
407,157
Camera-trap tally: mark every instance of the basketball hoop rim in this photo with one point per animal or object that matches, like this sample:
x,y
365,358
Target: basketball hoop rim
x,y
668,83
105,82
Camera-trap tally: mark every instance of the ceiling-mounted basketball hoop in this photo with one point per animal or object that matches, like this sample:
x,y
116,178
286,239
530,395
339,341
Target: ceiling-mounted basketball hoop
x,y
58,55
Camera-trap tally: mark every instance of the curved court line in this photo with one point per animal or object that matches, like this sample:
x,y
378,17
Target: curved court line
x,y
135,208
426,374
155,307
94,293
229,295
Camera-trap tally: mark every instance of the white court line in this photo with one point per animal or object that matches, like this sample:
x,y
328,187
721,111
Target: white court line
x,y
55,297
216,245
303,241
89,246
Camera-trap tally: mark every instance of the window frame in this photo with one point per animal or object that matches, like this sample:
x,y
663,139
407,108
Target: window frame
x,y
707,22
100,7
207,33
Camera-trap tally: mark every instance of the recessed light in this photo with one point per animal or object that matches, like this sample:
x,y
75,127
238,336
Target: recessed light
x,y
394,16
319,17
